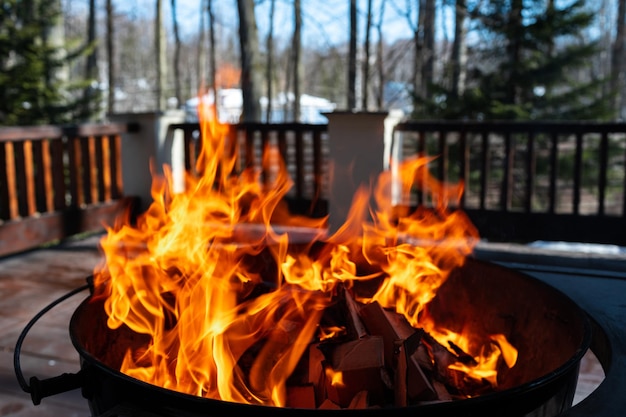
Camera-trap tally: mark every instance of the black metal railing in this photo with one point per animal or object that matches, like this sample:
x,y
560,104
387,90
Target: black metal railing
x,y
530,180
524,181
303,149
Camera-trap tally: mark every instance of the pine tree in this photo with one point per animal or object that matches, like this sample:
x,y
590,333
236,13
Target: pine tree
x,y
31,90
532,65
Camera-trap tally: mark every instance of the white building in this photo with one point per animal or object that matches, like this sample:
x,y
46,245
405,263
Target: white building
x,y
230,104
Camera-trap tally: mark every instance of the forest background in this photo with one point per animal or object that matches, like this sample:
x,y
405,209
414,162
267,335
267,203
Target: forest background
x,y
79,60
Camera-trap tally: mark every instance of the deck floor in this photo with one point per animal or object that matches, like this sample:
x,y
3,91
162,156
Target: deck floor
x,y
31,280
28,282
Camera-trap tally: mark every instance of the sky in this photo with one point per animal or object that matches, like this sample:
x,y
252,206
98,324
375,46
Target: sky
x,y
324,22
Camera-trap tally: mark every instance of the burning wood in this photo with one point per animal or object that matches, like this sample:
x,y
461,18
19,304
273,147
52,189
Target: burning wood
x,y
353,367
232,307
301,396
387,363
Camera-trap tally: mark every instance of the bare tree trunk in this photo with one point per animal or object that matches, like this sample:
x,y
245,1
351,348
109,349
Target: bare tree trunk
x,y
428,64
177,45
270,63
417,62
287,89
201,63
514,49
380,97
110,57
606,25
418,45
550,10
91,68
366,58
161,65
429,46
618,63
91,71
351,99
249,48
54,35
212,55
297,65
459,50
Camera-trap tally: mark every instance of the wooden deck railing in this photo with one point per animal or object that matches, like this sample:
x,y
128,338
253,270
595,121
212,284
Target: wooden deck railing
x,y
58,181
303,148
531,180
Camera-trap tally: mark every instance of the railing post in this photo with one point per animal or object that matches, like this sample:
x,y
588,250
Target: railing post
x,y
152,143
357,158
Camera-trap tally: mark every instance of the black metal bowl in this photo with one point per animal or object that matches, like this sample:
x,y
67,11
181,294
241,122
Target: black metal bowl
x,y
550,331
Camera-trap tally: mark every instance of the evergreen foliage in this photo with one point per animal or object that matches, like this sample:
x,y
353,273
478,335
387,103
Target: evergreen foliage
x,y
532,65
33,88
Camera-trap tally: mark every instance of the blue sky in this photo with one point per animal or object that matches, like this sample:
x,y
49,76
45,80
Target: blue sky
x,y
325,22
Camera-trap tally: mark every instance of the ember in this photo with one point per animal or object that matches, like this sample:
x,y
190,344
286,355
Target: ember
x,y
235,308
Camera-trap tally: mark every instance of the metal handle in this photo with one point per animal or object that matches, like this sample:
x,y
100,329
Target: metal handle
x,y
39,389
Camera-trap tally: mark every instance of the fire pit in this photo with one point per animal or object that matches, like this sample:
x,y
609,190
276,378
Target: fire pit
x,y
550,331
218,300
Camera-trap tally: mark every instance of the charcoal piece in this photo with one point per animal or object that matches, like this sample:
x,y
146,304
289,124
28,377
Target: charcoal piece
x,y
411,383
462,356
442,394
328,405
461,384
301,396
424,359
344,313
377,323
401,376
400,325
357,365
360,401
356,324
316,376
441,356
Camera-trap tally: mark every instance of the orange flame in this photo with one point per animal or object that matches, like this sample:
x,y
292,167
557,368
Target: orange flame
x,y
335,377
331,332
228,76
185,273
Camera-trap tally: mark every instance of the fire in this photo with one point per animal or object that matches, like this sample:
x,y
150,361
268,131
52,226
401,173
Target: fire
x,y
486,355
230,302
335,377
330,332
227,76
